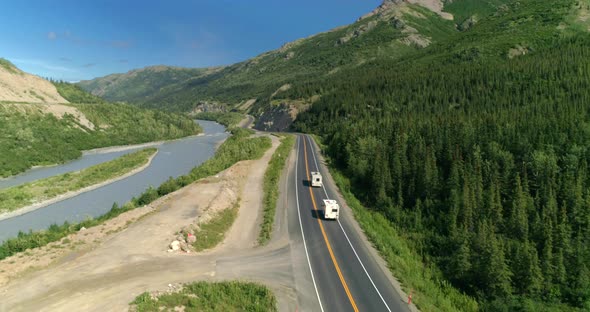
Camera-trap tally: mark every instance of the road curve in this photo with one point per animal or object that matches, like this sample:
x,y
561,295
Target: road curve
x,y
344,273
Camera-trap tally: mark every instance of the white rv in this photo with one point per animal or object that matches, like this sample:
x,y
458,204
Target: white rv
x,y
331,209
316,179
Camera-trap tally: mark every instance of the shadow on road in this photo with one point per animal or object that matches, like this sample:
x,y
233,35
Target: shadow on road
x,y
317,214
306,183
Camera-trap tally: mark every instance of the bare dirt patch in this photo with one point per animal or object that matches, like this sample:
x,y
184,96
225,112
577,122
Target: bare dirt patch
x,y
18,86
60,111
247,104
435,6
283,88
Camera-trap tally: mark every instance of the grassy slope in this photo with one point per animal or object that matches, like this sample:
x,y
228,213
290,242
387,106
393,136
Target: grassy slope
x,y
136,86
75,94
271,187
213,232
19,196
8,65
209,297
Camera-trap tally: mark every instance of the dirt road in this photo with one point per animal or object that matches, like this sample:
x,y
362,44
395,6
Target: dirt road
x,y
107,270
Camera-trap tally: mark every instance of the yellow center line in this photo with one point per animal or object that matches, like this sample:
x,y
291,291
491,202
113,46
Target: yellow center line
x,y
325,236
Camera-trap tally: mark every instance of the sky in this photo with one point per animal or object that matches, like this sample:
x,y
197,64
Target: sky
x,y
75,40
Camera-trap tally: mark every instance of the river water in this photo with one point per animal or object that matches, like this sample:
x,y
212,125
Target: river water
x,y
174,158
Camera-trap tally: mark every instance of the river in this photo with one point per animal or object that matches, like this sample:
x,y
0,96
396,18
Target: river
x,y
174,159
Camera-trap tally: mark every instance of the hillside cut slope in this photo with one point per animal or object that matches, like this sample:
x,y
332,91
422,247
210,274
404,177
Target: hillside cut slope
x,y
18,86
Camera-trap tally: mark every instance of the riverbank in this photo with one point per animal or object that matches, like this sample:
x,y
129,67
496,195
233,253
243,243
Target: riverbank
x,y
70,194
122,148
127,255
111,149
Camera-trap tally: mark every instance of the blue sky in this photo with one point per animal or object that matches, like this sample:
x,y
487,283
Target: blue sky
x,y
78,39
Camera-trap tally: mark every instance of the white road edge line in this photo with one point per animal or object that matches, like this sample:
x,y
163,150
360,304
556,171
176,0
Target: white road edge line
x,y
301,227
345,235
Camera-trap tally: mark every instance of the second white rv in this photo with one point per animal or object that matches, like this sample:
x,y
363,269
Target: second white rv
x,y
316,179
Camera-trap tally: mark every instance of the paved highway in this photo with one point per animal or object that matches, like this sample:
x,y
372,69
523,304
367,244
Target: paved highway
x,y
344,272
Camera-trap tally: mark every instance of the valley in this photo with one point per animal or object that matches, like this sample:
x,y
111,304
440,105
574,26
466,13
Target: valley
x,y
453,135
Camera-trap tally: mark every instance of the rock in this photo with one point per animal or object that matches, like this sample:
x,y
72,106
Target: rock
x,y
398,23
191,239
175,245
184,246
181,239
82,229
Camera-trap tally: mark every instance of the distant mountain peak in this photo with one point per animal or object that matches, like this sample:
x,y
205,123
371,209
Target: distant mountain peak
x,y
391,7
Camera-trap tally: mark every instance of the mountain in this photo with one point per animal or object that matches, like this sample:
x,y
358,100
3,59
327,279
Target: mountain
x,y
138,85
395,29
18,86
39,127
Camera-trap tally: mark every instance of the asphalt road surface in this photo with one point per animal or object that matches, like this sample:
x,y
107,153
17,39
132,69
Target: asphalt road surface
x,y
344,273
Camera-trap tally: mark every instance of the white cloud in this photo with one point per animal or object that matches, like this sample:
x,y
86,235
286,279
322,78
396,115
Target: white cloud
x,y
51,35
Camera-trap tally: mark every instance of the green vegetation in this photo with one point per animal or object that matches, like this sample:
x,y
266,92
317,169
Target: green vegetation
x,y
213,232
205,297
430,291
19,196
75,94
465,9
238,147
137,85
30,137
271,187
230,120
6,64
56,232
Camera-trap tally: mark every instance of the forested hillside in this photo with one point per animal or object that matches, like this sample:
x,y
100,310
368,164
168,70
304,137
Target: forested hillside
x,y
31,136
75,94
137,86
477,154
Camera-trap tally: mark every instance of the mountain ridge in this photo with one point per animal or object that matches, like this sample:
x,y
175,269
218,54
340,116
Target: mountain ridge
x,y
320,54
